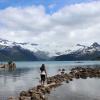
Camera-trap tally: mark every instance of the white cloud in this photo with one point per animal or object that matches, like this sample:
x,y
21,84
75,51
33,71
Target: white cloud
x,y
79,23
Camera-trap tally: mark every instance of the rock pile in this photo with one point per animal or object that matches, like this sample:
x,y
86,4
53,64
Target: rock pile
x,y
80,72
9,66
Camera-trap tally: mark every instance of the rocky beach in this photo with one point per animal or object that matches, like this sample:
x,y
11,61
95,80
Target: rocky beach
x,y
39,92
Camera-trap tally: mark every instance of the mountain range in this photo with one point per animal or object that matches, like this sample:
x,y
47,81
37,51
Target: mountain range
x,y
26,51
83,53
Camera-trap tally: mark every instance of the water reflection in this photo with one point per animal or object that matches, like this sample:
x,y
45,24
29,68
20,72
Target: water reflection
x,y
27,76
79,89
12,82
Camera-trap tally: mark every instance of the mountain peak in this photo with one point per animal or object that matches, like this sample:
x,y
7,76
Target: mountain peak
x,y
95,44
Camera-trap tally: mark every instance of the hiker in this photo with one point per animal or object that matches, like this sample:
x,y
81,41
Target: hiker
x,y
43,74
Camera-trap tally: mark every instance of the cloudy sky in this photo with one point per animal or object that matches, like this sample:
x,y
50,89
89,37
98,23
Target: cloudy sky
x,y
63,23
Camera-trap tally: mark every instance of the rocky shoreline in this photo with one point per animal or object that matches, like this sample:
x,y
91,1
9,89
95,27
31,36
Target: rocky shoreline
x,y
39,92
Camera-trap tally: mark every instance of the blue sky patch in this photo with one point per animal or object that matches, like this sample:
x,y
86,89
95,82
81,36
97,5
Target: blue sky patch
x,y
51,6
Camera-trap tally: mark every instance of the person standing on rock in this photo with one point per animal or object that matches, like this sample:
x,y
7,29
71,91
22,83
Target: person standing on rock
x,y
43,74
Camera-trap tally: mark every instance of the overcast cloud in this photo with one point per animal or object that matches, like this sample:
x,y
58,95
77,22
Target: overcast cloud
x,y
79,23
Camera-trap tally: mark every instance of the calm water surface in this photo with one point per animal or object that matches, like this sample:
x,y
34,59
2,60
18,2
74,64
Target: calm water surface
x,y
82,89
27,76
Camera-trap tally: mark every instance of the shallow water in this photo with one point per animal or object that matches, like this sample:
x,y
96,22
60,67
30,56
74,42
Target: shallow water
x,y
27,75
78,89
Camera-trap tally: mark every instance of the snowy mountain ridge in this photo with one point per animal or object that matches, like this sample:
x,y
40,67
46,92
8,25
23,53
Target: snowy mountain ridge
x,y
36,48
46,51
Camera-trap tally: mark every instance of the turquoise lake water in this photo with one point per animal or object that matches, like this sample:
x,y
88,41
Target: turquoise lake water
x,y
27,75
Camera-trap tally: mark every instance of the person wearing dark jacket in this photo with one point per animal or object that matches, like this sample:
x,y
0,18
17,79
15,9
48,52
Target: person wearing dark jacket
x,y
43,74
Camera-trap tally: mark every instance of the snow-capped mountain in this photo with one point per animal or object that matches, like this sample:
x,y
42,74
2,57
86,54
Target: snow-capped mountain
x,y
39,49
46,52
82,53
88,49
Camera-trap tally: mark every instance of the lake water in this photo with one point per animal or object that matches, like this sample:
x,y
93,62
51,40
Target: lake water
x,y
27,76
78,89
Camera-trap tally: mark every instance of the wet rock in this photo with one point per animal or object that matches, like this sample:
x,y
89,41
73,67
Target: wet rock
x,y
67,81
47,89
43,90
12,98
39,87
24,93
25,98
36,96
